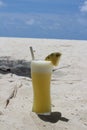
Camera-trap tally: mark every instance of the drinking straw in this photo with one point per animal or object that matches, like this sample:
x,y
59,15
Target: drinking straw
x,y
32,53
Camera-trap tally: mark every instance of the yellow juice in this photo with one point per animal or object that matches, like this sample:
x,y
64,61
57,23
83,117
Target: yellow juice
x,y
41,77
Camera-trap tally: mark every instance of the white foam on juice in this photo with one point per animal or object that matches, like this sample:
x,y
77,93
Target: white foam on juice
x,y
41,66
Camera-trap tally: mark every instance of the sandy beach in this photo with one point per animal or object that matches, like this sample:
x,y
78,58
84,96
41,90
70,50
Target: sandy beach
x,y
68,85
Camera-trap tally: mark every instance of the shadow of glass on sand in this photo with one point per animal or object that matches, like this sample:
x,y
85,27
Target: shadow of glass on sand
x,y
53,117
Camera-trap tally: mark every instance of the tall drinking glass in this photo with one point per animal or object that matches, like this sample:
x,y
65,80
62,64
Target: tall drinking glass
x,y
41,78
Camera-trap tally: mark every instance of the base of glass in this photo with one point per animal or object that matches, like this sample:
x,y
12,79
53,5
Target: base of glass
x,y
45,114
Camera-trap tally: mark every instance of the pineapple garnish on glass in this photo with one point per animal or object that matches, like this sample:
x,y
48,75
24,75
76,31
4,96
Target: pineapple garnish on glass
x,y
54,58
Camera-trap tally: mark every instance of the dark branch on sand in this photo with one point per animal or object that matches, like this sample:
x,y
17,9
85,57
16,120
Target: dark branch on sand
x,y
12,95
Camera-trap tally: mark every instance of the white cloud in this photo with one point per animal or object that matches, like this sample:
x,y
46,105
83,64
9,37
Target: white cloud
x,y
83,8
1,4
30,22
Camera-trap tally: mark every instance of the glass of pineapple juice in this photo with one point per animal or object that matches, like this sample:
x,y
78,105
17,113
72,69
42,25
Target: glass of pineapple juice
x,y
41,79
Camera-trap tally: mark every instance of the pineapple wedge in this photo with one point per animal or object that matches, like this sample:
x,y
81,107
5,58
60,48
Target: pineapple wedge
x,y
54,58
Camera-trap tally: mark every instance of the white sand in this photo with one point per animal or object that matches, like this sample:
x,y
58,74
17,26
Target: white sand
x,y
68,85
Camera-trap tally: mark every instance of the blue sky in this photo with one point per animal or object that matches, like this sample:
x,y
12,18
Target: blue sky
x,y
60,19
